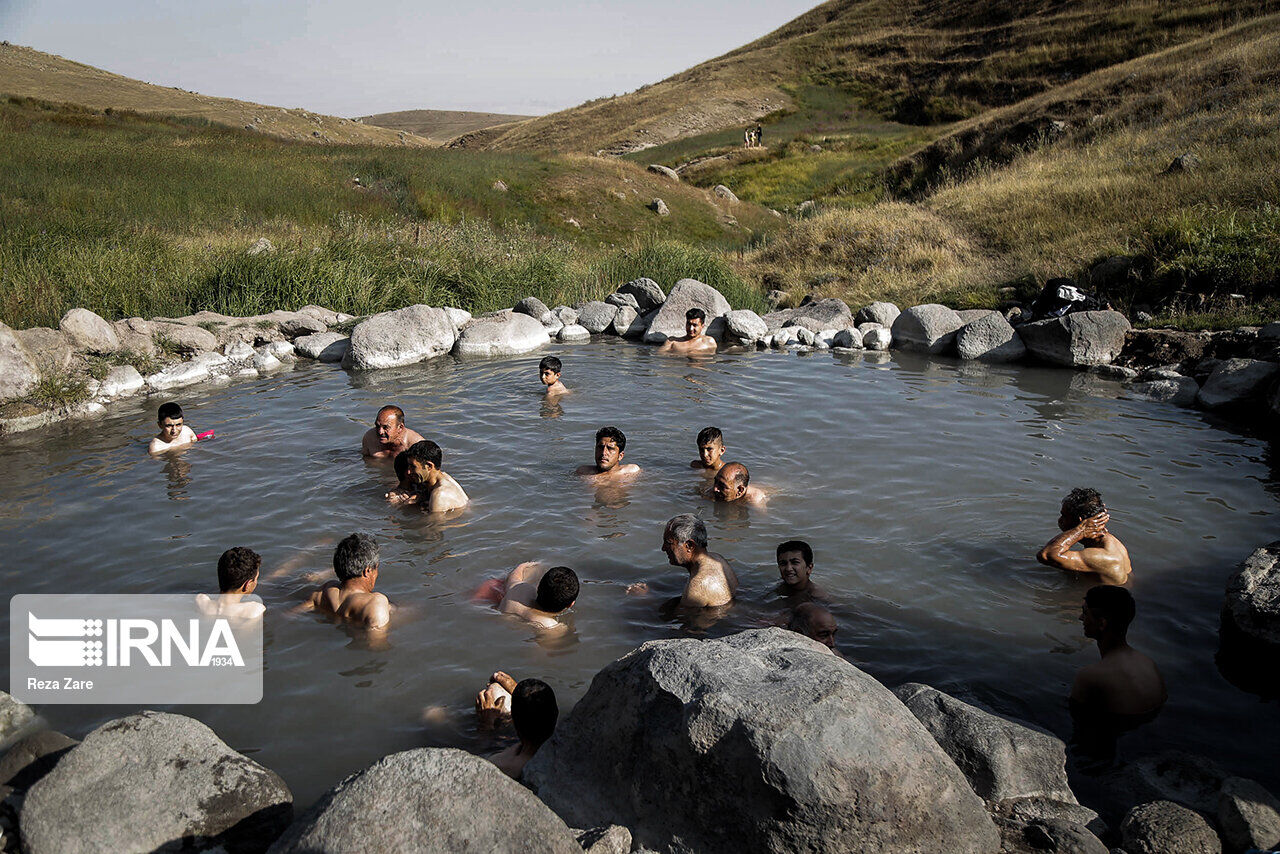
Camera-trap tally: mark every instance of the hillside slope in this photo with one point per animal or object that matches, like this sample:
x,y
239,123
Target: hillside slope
x,y
29,73
917,61
440,125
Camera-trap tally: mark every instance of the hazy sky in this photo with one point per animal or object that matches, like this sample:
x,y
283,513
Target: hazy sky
x,y
354,58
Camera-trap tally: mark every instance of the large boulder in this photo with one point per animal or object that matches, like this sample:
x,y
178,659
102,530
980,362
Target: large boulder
x,y
829,313
648,295
745,325
323,346
930,328
428,800
687,294
596,317
1237,382
154,780
89,332
503,334
1253,596
18,371
533,307
1079,339
402,337
1248,815
50,349
1000,757
760,741
883,313
989,338
1163,827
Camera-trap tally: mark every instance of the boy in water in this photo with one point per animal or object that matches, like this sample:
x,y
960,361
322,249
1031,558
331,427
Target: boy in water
x,y
710,450
237,577
174,433
549,371
351,597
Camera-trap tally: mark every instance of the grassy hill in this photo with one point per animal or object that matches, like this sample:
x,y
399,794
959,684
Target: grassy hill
x,y
440,126
28,73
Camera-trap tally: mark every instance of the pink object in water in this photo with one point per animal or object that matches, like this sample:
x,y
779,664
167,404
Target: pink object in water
x,y
208,434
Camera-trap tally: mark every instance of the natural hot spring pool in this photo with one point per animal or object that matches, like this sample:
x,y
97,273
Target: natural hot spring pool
x,y
924,486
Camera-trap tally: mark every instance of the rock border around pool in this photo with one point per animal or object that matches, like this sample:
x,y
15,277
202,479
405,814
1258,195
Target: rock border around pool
x,y
1236,373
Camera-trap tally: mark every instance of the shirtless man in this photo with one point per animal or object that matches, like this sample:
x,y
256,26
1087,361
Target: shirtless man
x,y
733,483
814,621
539,595
710,450
610,447
533,712
711,579
238,570
174,433
351,597
549,372
432,488
1084,521
388,436
1125,685
694,343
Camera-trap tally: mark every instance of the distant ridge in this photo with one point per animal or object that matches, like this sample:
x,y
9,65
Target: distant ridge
x,y
440,125
29,73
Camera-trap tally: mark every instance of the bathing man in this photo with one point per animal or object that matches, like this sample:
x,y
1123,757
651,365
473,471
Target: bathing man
x,y
539,595
174,433
1125,685
238,570
610,447
388,436
351,597
432,488
1084,521
711,578
694,343
710,450
816,622
733,483
533,713
549,372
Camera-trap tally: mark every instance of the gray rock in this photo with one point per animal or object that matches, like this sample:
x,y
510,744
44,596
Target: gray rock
x,y
613,839
745,325
323,346
1180,392
1236,382
1079,339
989,338
724,192
849,338
883,313
760,741
89,332
877,339
567,316
50,349
121,381
1253,596
531,306
154,780
458,317
1248,815
18,371
428,800
646,292
501,335
622,300
14,716
659,207
1163,827
402,337
1001,758
929,328
687,294
573,333
31,758
596,317
188,340
198,370
664,171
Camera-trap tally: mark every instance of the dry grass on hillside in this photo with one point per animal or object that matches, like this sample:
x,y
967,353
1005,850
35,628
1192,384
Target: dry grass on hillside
x,y
28,73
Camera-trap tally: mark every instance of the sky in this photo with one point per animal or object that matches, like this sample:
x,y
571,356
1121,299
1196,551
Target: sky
x,y
373,56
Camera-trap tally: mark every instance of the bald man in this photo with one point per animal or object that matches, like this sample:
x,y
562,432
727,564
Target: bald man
x,y
815,622
388,436
733,483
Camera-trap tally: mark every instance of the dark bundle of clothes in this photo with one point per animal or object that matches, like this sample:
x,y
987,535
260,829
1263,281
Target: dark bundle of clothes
x,y
1063,296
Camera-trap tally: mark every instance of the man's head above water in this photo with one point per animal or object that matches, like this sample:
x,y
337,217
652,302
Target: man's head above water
x,y
1080,504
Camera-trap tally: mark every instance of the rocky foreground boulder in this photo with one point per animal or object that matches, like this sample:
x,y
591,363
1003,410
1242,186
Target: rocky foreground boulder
x,y
428,800
154,780
687,294
503,334
928,328
761,741
401,337
1079,339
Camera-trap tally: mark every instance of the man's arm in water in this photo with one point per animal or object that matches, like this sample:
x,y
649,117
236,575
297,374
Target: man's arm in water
x,y
1058,553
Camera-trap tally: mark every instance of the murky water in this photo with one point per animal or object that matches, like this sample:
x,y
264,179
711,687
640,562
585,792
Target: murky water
x,y
925,488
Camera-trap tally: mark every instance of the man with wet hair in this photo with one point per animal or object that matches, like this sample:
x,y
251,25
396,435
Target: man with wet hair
x,y
389,435
539,595
351,597
1083,521
1124,689
549,372
710,450
816,622
733,483
712,582
533,713
694,342
431,487
174,433
611,445
238,570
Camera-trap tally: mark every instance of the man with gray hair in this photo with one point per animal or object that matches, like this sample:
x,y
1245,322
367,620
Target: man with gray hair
x,y
712,582
351,597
